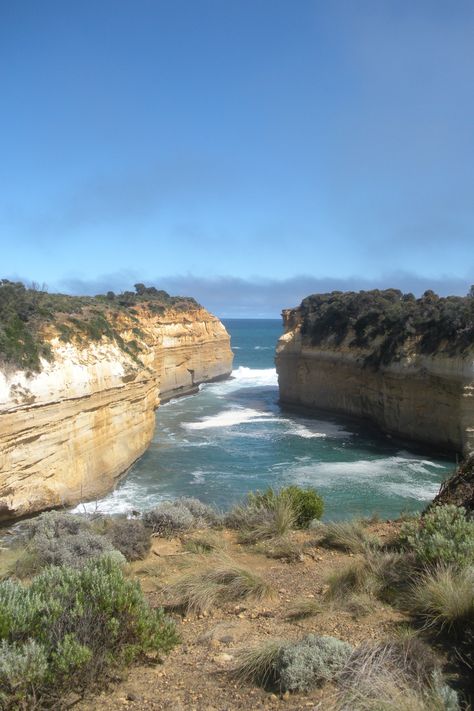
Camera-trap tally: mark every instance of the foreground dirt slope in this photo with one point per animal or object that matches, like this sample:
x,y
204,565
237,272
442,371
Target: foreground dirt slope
x,y
195,676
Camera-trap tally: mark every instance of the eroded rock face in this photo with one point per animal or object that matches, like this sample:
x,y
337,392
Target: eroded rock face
x,y
70,431
458,489
425,398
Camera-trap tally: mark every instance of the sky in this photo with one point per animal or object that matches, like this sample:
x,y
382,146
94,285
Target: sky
x,y
244,152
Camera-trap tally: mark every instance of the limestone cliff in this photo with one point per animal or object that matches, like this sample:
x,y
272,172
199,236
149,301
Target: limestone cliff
x,y
329,359
70,429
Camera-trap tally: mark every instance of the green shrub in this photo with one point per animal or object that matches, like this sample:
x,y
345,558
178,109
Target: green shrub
x,y
83,623
445,535
23,668
307,503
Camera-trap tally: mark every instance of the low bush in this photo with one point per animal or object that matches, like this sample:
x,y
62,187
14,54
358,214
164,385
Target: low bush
x,y
349,536
293,666
311,662
71,628
223,582
54,524
56,538
169,518
128,536
173,517
204,514
445,535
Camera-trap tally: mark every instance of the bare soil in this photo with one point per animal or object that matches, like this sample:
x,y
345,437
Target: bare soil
x,y
195,675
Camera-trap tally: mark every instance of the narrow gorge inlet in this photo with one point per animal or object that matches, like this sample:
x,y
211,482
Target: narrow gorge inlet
x,y
233,437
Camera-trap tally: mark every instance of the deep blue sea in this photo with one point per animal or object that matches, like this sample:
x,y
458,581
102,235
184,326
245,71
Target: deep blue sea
x,y
233,437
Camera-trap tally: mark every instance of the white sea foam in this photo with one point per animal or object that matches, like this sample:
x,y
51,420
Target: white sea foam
x,y
305,432
123,500
409,478
243,377
229,418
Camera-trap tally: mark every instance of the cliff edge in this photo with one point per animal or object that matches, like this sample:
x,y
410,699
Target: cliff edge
x,y
80,379
404,364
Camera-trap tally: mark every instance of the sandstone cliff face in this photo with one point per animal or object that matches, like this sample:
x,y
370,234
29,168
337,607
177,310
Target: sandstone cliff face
x,y
429,399
68,432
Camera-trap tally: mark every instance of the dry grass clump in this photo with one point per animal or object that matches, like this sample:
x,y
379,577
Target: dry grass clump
x,y
259,664
304,608
283,548
204,544
394,675
263,524
355,577
349,536
223,582
444,598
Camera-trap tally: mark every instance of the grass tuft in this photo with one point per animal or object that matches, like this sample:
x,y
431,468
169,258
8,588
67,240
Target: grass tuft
x,y
224,582
444,598
304,608
349,536
259,664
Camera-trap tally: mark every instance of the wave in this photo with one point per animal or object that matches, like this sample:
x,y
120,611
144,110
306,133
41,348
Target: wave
x,y
229,418
305,432
254,376
395,474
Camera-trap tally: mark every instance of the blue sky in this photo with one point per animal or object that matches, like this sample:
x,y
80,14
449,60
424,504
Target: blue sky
x,y
244,152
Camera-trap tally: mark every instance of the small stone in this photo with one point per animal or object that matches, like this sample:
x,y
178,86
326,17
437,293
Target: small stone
x,y
132,697
223,658
286,696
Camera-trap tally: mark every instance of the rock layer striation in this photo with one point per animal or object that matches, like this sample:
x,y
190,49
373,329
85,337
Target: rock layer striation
x,y
68,432
428,398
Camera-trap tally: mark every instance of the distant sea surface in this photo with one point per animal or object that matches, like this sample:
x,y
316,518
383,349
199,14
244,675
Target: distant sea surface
x,y
233,437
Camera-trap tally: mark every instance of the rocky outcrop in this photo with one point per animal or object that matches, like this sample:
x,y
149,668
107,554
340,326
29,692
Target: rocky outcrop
x,y
69,431
458,489
426,397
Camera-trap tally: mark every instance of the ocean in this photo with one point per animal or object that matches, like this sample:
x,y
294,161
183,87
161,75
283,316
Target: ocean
x,y
233,437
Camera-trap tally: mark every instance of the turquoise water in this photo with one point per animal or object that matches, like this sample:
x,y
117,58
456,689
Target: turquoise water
x,y
233,437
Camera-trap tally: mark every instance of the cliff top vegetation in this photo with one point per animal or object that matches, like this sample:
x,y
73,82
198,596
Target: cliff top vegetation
x,y
25,312
385,322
